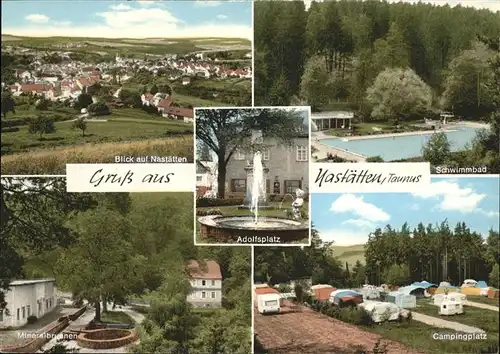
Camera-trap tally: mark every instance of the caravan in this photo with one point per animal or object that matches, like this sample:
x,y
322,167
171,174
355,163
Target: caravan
x,y
268,303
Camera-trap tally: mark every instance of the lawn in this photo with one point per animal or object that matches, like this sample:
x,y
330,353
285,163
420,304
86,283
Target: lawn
x,y
116,317
280,210
419,336
483,300
485,319
122,125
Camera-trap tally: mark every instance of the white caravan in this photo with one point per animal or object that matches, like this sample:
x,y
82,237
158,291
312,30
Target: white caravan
x,y
268,303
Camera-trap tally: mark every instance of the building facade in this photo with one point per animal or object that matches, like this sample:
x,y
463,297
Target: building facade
x,y
288,168
332,120
206,177
27,298
206,284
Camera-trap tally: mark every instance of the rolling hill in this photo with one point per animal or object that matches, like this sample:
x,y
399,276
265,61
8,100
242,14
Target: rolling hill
x,y
350,254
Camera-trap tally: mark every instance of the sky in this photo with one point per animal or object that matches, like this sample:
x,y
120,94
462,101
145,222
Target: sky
x,y
127,19
347,219
493,5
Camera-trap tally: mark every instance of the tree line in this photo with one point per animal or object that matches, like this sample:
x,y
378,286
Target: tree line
x,y
398,257
334,52
109,247
434,253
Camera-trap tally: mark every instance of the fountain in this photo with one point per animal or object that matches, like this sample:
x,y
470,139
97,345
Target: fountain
x,y
231,228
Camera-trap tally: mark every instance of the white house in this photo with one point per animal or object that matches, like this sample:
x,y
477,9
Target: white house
x,y
27,298
206,284
206,177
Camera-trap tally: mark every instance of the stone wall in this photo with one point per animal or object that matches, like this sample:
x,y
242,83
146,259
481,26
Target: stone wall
x,y
106,338
43,337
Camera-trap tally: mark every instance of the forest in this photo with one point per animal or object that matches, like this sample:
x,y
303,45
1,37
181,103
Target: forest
x,y
434,253
332,52
116,246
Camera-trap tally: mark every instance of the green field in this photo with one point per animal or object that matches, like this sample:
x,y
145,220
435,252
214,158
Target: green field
x,y
121,125
132,47
485,319
350,254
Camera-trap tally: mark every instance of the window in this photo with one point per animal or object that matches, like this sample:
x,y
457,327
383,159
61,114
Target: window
x,y
24,312
203,282
238,185
213,294
203,295
199,178
213,282
29,310
18,314
239,155
266,154
1,315
268,186
291,186
301,153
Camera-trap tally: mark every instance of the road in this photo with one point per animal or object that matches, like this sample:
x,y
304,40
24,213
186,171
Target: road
x,y
438,322
307,331
481,306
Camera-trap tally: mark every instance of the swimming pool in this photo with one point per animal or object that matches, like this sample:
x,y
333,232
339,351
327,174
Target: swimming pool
x,y
401,147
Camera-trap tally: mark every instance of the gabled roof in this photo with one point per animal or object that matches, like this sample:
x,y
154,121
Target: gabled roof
x,y
181,112
212,271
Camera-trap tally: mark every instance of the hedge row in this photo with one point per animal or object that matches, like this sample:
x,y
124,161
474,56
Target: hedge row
x,y
214,202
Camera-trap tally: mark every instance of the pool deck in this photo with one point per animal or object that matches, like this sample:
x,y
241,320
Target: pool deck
x,y
389,135
323,150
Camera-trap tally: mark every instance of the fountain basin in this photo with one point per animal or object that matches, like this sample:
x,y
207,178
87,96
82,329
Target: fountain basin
x,y
106,338
231,228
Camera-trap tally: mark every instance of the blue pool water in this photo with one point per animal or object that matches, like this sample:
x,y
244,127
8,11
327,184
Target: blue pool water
x,y
401,147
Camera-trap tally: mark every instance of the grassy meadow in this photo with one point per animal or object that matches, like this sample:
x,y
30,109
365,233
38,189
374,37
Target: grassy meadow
x,y
129,132
350,254
132,47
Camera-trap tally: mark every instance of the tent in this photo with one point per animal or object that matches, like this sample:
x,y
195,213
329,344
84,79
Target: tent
x,y
381,311
415,290
445,287
481,284
425,284
343,296
471,291
469,283
406,301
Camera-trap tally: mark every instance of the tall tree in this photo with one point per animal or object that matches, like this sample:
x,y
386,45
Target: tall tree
x,y
226,130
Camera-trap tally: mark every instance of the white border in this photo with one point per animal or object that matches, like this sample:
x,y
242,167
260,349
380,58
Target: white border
x,y
308,244
253,55
253,299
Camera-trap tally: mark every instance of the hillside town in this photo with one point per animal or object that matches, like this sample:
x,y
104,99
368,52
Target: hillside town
x,y
56,77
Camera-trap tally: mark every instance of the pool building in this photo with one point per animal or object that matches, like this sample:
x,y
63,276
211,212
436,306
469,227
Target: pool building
x,y
333,120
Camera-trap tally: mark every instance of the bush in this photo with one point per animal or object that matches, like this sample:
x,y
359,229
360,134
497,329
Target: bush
x,y
9,130
375,159
208,212
32,319
212,202
284,288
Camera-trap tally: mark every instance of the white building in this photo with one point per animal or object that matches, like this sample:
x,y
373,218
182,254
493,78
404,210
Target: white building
x,y
27,298
206,284
206,177
332,120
